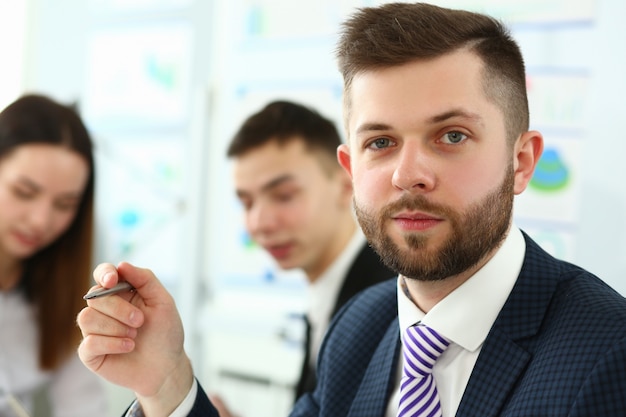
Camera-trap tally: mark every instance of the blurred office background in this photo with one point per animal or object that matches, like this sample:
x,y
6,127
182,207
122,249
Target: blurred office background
x,y
163,84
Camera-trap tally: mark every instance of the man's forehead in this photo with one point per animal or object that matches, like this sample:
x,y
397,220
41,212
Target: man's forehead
x,y
440,89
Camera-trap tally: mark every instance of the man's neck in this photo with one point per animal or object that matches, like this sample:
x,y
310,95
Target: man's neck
x,y
336,245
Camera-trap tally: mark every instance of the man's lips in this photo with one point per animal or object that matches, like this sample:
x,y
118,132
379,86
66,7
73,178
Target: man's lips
x,y
416,221
279,251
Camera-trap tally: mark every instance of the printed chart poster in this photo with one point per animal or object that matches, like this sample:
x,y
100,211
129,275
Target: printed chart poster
x,y
558,242
553,194
287,19
529,11
141,202
100,7
138,77
558,100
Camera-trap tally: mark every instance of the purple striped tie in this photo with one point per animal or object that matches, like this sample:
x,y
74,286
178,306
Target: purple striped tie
x,y
421,347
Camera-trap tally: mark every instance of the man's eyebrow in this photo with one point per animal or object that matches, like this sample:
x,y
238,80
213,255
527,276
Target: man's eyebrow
x,y
273,183
277,181
438,118
456,113
372,127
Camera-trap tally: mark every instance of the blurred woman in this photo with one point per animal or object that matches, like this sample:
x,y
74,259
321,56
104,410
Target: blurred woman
x,y
46,237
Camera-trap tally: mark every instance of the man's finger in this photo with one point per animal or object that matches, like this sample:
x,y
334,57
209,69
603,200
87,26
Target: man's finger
x,y
92,321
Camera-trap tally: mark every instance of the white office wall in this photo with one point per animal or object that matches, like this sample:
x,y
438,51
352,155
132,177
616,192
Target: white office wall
x,y
12,44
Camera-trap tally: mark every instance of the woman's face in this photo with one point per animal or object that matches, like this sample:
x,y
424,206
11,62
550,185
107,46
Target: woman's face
x,y
41,186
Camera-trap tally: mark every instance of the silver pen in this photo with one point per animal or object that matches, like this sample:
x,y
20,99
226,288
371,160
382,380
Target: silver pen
x,y
101,292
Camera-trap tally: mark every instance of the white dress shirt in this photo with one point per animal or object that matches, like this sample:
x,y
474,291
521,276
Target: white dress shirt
x,y
73,390
465,317
322,294
182,410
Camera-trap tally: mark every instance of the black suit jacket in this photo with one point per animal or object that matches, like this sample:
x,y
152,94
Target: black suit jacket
x,y
557,348
366,270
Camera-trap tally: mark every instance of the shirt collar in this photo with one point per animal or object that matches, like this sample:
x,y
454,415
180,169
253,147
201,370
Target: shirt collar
x,y
325,289
466,315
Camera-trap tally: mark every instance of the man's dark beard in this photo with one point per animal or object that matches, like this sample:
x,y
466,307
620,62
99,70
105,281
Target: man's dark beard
x,y
475,233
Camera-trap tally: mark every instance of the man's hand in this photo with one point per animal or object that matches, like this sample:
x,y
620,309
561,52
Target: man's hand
x,y
135,339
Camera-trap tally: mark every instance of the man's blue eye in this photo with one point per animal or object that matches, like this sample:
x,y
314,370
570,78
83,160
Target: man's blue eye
x,y
381,143
455,137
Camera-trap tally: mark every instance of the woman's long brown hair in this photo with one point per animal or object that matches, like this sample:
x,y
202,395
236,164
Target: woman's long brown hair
x,y
56,277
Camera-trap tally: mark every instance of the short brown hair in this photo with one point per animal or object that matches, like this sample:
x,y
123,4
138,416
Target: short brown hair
x,y
283,121
398,33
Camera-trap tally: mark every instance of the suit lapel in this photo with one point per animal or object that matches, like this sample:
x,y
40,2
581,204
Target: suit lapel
x,y
492,388
373,394
506,350
366,270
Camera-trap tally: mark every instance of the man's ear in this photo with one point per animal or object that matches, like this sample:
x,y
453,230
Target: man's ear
x,y
343,156
346,187
527,151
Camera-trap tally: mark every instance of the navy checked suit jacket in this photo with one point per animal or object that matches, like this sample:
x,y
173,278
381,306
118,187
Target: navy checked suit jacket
x,y
557,348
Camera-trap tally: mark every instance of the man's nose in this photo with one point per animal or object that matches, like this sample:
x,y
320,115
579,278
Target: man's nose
x,y
261,218
414,169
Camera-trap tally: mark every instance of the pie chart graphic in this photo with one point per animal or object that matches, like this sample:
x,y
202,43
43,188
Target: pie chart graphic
x,y
551,173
